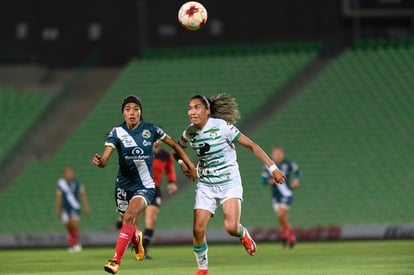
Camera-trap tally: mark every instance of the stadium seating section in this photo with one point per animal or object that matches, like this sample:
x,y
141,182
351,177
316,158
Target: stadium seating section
x,y
164,84
18,112
350,131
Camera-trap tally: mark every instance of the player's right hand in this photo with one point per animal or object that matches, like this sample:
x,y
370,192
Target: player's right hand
x,y
96,160
279,176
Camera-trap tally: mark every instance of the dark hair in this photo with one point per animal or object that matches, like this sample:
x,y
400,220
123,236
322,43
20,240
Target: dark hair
x,y
132,99
221,106
203,100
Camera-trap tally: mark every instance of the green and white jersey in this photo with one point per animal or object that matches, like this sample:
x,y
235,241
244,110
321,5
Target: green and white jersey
x,y
215,148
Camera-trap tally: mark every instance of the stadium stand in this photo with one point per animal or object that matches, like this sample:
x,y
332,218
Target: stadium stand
x,y
352,133
18,112
164,84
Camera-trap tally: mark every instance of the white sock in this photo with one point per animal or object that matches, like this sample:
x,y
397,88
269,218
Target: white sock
x,y
200,253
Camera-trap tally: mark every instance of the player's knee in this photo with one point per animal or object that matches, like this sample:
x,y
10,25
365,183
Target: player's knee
x,y
198,230
232,228
128,218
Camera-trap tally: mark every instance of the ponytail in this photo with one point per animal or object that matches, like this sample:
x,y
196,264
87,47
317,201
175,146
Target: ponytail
x,y
225,107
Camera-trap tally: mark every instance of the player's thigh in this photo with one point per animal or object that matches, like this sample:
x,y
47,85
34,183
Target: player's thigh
x,y
232,211
205,198
281,202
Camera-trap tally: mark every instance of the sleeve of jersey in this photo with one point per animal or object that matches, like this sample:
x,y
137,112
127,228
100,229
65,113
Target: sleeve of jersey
x,y
296,170
170,170
159,133
184,139
81,187
58,189
111,139
232,132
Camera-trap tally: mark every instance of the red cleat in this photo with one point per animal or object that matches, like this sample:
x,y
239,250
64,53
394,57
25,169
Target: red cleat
x,y
248,243
201,272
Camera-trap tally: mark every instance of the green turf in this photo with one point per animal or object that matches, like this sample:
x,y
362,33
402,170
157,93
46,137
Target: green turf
x,y
368,257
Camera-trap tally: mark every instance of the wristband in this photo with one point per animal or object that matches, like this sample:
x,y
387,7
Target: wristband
x,y
180,161
272,168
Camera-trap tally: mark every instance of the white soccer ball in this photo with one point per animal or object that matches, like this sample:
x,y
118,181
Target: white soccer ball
x,y
192,15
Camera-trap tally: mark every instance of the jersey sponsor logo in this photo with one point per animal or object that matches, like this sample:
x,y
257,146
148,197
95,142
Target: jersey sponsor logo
x,y
204,149
137,153
122,205
146,133
146,143
127,140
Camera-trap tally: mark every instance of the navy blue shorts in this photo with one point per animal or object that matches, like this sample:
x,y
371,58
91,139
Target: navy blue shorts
x,y
123,197
157,198
282,202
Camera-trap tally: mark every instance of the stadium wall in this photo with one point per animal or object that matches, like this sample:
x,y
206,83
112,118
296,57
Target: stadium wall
x,y
181,237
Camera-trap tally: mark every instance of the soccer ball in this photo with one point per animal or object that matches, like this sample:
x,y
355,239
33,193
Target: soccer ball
x,y
192,15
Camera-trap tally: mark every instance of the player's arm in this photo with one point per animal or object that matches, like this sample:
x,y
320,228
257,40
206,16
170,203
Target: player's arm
x,y
58,202
296,171
171,176
278,175
85,202
102,160
180,154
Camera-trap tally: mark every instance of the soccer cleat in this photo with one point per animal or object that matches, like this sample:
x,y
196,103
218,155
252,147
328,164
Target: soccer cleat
x,y
292,240
285,243
201,272
248,243
138,249
112,266
147,257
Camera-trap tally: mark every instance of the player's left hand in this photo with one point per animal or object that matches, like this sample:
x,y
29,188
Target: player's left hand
x,y
86,211
172,188
279,176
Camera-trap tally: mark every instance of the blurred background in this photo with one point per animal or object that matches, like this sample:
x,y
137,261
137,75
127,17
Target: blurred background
x,y
332,81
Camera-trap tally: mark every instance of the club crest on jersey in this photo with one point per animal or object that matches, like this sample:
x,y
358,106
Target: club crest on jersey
x,y
146,133
213,133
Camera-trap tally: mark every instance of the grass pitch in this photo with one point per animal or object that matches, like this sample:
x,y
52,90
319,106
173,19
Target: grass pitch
x,y
365,257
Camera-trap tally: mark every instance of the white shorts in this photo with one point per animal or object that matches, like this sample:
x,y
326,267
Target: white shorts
x,y
73,214
283,204
208,196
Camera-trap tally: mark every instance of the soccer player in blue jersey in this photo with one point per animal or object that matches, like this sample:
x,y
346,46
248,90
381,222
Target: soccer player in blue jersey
x,y
68,206
282,195
213,136
134,186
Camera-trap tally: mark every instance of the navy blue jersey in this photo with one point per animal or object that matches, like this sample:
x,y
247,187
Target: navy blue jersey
x,y
135,154
70,193
290,169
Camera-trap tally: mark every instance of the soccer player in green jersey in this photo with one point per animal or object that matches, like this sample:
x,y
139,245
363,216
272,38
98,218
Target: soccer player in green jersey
x,y
213,136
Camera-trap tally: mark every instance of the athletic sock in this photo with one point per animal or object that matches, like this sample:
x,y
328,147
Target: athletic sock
x,y
147,238
135,237
284,232
71,239
292,236
124,238
75,235
242,232
200,252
